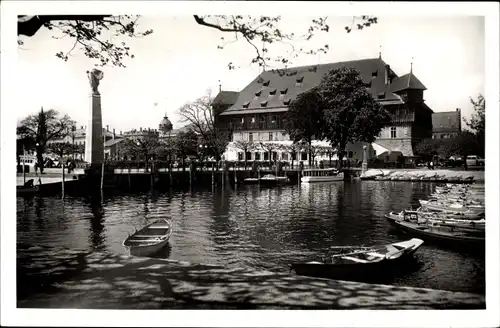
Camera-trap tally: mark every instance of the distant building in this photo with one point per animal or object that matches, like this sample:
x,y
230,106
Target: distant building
x,y
256,113
446,125
141,134
77,137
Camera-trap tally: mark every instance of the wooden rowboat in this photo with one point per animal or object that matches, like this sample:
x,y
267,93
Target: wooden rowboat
x,y
448,235
360,265
149,239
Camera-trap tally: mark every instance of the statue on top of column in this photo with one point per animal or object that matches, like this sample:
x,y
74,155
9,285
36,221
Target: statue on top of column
x,y
95,76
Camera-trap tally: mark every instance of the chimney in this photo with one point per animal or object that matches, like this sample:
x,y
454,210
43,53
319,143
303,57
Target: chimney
x,y
114,134
387,70
107,128
120,132
140,129
81,127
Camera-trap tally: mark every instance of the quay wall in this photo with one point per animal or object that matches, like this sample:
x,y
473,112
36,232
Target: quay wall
x,y
63,278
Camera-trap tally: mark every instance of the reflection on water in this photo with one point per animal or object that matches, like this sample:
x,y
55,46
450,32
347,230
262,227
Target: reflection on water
x,y
250,226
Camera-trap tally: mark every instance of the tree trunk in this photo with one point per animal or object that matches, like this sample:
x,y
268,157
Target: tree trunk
x,y
39,159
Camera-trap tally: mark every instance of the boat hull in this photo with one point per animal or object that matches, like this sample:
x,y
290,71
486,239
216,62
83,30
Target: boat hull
x,y
145,251
435,235
308,179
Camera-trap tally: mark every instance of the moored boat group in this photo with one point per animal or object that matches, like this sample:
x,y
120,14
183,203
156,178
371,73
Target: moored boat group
x,y
454,214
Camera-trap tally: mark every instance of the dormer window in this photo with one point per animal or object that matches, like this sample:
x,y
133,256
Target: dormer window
x,y
286,102
266,83
291,73
272,92
263,103
368,84
381,95
257,93
283,91
246,104
374,74
298,81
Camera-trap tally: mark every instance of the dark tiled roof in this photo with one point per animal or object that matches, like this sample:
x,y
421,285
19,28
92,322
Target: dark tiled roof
x,y
446,121
112,142
293,81
226,98
407,82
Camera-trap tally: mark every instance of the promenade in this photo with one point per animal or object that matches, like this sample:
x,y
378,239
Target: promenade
x,y
61,278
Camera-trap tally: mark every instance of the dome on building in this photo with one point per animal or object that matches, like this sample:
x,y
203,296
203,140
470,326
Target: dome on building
x,y
165,125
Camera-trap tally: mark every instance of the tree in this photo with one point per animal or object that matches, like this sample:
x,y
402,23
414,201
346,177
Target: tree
x,y
477,122
350,113
43,127
141,149
269,148
185,144
94,34
200,116
304,119
426,149
245,147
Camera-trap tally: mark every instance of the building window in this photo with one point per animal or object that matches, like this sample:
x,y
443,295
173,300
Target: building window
x,y
286,102
231,137
284,156
242,120
263,103
298,81
283,91
374,74
257,94
253,120
266,83
393,132
240,156
283,135
303,156
266,156
248,155
257,156
272,92
246,104
250,137
275,155
270,136
349,154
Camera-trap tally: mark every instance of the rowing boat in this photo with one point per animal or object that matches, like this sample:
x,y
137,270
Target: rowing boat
x,y
149,239
359,265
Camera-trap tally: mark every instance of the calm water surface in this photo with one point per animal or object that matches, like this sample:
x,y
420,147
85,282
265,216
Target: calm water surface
x,y
251,226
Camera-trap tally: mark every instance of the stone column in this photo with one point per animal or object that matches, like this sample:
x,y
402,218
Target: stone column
x,y
94,142
364,164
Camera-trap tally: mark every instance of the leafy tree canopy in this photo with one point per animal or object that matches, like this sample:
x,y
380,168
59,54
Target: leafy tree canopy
x,y
94,34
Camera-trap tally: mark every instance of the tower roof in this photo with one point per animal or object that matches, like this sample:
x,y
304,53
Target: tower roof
x,y
407,82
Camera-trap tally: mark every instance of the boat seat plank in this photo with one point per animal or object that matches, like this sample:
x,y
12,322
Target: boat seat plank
x,y
375,254
147,236
355,259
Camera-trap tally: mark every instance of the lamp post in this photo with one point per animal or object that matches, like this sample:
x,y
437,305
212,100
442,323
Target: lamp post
x,y
364,165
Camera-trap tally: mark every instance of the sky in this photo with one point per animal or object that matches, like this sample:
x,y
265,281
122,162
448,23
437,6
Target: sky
x,y
180,61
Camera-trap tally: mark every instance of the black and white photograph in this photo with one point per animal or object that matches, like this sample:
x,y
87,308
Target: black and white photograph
x,y
308,160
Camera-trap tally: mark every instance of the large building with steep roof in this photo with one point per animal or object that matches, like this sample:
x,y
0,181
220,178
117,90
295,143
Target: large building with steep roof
x,y
446,125
257,112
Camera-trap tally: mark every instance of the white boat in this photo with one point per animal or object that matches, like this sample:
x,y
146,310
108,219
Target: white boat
x,y
148,240
321,175
271,178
